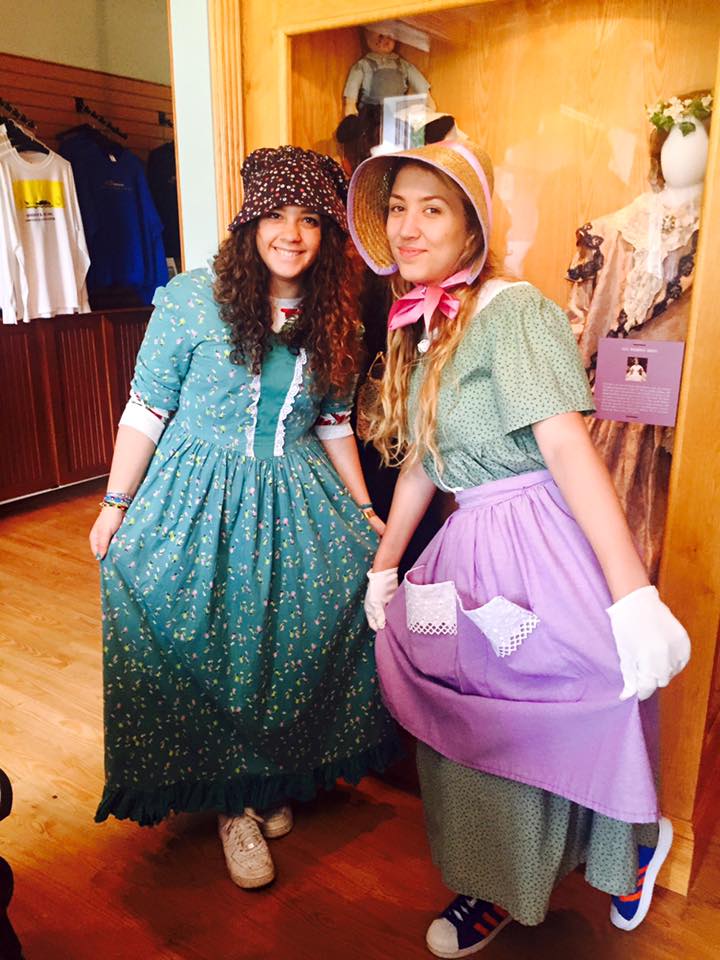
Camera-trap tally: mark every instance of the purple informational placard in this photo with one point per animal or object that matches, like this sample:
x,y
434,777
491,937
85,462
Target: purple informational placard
x,y
638,381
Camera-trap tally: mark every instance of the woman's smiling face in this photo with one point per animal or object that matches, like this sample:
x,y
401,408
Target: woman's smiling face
x,y
288,241
426,225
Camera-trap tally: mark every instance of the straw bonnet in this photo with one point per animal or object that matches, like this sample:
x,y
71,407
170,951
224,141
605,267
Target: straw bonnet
x,y
463,161
281,176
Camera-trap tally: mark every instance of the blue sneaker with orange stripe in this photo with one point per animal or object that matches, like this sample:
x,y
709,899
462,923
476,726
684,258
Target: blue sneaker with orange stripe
x,y
628,912
464,927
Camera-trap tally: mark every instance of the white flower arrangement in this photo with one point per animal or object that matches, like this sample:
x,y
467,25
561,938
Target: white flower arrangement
x,y
675,112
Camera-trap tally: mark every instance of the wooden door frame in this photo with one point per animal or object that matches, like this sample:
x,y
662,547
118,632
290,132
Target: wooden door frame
x,y
690,571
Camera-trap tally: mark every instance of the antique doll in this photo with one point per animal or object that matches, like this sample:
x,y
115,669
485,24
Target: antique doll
x,y
381,73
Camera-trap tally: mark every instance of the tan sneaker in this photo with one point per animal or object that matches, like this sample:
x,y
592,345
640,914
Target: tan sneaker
x,y
246,853
277,822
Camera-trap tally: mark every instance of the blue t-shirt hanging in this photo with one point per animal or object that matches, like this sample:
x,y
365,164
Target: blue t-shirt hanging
x,y
122,226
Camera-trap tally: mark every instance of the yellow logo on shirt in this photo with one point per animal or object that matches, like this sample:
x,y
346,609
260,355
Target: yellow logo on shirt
x,y
38,194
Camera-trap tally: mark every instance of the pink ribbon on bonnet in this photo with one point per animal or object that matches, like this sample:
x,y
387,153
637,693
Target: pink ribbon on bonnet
x,y
424,299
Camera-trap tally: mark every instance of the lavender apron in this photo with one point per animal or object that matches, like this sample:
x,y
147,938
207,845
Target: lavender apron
x,y
498,653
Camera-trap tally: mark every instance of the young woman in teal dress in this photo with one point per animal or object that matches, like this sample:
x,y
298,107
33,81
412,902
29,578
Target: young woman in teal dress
x,y
236,531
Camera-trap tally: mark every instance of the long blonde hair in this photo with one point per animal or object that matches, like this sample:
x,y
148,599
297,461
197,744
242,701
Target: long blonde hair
x,y
397,441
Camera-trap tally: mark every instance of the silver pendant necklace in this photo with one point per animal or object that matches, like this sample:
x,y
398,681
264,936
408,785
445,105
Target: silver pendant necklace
x,y
424,343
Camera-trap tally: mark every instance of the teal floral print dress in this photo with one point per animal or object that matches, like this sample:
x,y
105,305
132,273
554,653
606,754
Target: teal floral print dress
x,y
238,666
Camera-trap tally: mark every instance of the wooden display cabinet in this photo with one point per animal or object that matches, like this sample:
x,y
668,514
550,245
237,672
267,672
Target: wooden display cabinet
x,y
63,385
555,90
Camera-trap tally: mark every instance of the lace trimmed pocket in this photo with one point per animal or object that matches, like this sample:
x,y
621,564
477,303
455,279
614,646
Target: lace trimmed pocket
x,y
504,623
431,622
430,608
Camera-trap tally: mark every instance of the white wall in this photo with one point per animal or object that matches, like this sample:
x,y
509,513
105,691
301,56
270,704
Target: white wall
x,y
194,139
127,37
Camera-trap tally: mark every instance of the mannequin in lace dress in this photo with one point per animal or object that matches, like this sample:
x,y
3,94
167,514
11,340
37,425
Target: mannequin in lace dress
x,y
631,277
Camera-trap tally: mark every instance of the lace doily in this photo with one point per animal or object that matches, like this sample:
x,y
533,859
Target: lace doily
x,y
504,623
655,230
652,225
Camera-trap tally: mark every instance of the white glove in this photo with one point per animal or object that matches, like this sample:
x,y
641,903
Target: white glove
x,y
652,645
381,587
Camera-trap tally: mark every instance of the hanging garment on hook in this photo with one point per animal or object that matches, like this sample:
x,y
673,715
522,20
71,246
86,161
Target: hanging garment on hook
x,y
43,254
123,229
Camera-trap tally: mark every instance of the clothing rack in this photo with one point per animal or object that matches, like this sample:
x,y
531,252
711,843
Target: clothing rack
x,y
20,136
82,107
18,115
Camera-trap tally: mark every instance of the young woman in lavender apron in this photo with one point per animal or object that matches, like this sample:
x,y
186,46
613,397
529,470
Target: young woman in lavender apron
x,y
520,647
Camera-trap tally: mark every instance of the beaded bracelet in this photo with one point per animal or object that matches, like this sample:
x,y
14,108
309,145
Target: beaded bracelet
x,y
120,500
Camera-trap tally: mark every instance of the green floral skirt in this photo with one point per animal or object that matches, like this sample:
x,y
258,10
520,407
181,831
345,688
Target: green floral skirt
x,y
509,843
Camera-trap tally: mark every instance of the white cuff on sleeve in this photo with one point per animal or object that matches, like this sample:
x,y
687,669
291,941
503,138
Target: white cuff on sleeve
x,y
332,431
147,421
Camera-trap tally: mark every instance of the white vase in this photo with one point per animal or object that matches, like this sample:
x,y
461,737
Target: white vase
x,y
683,158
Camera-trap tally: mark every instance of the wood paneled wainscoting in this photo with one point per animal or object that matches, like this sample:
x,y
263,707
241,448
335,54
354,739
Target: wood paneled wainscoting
x,y
63,384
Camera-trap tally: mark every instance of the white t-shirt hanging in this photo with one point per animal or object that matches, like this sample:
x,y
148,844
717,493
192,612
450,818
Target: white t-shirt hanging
x,y
45,255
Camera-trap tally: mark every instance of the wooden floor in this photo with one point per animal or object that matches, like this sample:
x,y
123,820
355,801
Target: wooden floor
x,y
355,881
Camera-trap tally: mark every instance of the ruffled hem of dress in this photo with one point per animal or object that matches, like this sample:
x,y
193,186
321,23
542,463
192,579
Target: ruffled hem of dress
x,y
148,808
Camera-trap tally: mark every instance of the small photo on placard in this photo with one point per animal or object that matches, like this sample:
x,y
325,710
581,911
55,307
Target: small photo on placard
x,y
638,381
636,370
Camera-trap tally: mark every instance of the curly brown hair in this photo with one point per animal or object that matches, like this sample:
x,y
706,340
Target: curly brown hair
x,y
328,326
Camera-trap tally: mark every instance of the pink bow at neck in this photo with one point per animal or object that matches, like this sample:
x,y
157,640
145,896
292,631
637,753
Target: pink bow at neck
x,y
424,299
